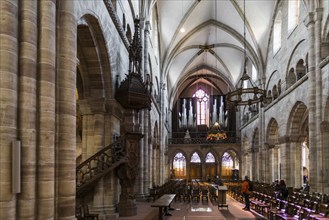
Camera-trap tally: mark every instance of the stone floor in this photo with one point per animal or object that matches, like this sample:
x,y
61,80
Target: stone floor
x,y
196,211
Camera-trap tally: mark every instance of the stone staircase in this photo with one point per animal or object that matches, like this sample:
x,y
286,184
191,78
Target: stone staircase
x,y
105,160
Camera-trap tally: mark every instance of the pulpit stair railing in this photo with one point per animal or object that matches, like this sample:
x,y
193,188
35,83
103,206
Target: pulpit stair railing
x,y
98,165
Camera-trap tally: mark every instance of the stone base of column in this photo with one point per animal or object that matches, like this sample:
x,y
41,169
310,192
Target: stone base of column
x,y
127,207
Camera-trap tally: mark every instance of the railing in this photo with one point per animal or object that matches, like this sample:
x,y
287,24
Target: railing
x,y
96,166
201,138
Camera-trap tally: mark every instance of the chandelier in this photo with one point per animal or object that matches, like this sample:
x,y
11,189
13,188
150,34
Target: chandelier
x,y
245,95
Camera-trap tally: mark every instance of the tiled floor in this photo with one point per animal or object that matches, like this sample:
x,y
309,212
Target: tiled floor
x,y
196,211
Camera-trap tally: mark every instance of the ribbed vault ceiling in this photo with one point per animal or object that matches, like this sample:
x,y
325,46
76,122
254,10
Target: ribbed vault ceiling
x,y
213,39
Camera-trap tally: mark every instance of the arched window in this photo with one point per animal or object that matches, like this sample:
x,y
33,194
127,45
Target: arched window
x,y
202,106
305,161
277,32
227,160
291,78
154,29
124,22
253,73
300,69
279,87
275,92
210,158
195,158
293,13
128,33
179,165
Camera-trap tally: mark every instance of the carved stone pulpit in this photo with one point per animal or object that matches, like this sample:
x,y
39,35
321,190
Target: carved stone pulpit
x,y
127,174
133,95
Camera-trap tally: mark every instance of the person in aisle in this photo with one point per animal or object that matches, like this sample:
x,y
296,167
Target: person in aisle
x,y
246,193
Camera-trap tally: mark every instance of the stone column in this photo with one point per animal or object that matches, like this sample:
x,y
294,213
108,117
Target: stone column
x,y
271,162
111,183
27,100
285,159
98,109
319,88
110,197
275,162
203,170
219,168
8,103
255,164
298,165
66,110
324,184
263,150
313,179
188,165
147,129
46,107
268,168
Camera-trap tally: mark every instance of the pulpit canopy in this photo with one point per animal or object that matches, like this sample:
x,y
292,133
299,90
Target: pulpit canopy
x,y
133,93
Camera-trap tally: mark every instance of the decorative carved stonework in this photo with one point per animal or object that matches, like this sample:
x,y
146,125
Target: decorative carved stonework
x,y
324,126
116,21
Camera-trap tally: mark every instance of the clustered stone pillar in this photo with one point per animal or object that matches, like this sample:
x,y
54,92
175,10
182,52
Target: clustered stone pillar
x,y
285,155
66,110
318,87
325,158
8,102
27,108
313,178
34,86
46,110
147,129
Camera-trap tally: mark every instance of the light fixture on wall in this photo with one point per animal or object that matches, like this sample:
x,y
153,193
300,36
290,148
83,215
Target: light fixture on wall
x,y
246,95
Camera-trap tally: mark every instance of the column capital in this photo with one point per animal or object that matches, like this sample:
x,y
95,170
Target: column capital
x,y
309,19
147,26
324,126
318,14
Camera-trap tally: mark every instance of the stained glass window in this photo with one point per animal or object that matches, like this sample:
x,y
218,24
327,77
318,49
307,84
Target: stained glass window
x,y
210,158
179,165
202,104
227,160
195,158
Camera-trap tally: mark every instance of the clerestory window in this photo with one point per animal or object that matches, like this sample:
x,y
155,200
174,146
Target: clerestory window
x,y
277,32
293,14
